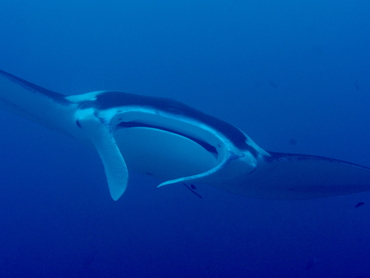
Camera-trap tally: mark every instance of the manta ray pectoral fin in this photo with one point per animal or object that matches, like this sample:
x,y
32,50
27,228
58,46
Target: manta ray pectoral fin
x,y
101,137
297,176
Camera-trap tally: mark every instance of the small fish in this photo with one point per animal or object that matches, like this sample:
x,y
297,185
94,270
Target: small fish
x,y
191,189
360,204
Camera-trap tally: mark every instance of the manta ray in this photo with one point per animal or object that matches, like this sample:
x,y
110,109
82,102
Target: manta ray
x,y
178,144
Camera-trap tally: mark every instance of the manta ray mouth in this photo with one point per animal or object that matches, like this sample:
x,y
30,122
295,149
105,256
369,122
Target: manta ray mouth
x,y
167,150
208,147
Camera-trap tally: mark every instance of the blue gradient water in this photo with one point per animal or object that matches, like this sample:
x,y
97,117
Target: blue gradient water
x,y
295,76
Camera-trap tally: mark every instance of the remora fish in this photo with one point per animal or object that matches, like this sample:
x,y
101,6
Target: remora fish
x,y
179,144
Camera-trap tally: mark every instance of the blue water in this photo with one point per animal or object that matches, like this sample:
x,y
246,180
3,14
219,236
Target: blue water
x,y
294,75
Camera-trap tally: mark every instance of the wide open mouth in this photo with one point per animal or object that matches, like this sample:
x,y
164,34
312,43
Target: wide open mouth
x,y
208,147
167,151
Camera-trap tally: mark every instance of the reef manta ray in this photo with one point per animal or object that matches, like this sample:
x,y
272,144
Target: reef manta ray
x,y
178,144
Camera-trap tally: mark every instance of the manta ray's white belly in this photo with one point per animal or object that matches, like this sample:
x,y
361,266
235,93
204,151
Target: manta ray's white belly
x,y
162,154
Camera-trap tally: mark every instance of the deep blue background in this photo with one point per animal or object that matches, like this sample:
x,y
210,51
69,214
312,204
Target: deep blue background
x,y
279,70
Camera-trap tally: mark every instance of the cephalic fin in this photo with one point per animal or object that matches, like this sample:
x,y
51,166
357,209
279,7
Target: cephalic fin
x,y
102,138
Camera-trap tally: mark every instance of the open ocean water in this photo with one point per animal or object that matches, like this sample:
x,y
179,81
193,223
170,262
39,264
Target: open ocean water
x,y
293,75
